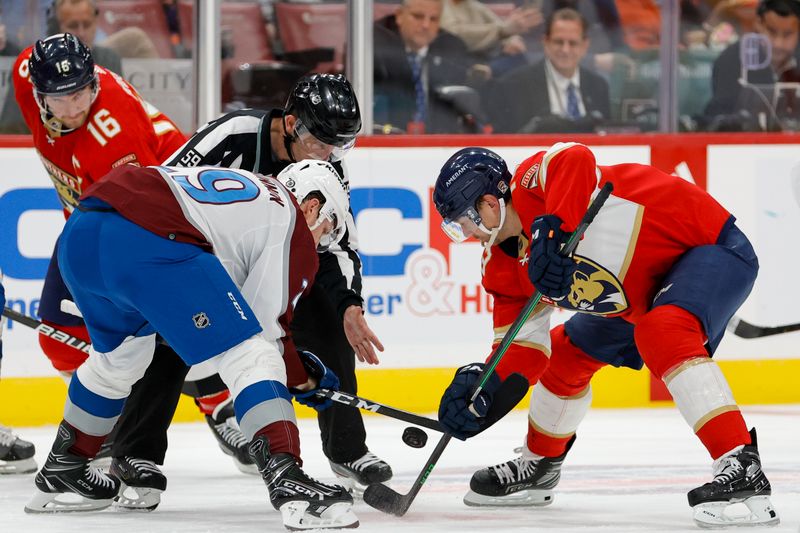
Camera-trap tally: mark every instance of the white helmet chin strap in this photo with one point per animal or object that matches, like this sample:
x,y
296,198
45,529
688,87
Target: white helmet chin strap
x,y
493,232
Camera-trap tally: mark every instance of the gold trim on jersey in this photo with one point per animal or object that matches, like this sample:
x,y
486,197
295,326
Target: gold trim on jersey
x,y
634,238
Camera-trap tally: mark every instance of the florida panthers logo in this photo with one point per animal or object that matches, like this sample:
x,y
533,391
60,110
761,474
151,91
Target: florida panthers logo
x,y
594,290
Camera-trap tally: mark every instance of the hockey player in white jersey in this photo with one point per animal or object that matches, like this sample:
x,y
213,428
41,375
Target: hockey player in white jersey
x,y
212,260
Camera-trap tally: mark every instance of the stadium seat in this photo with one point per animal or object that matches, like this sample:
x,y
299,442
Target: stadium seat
x,y
305,26
145,14
380,9
241,21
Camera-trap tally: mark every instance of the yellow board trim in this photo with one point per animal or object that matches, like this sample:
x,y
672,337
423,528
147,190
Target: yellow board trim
x,y
40,401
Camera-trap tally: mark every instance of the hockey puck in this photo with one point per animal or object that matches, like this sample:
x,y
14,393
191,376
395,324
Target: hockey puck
x,y
415,437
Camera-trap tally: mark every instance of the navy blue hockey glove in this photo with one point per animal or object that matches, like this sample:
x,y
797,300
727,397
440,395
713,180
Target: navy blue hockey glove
x,y
325,378
454,413
549,272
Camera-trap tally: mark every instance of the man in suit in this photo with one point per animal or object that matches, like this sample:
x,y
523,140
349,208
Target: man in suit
x,y
413,58
557,93
737,106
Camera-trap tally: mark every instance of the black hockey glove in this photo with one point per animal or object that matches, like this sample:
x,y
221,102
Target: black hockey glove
x,y
549,272
495,400
325,378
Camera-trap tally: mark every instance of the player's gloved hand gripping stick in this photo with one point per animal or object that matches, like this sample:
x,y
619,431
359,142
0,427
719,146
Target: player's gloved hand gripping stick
x,y
385,499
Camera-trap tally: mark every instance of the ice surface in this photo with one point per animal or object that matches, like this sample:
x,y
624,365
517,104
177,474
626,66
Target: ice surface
x,y
628,471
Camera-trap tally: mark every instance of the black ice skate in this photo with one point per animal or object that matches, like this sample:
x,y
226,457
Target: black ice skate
x,y
142,484
65,473
304,502
739,493
16,455
356,475
518,482
230,438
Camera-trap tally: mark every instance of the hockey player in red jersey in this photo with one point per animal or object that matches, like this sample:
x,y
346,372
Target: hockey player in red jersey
x,y
85,120
654,282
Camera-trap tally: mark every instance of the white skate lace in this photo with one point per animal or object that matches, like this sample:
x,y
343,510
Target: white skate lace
x,y
142,465
7,437
522,468
364,462
97,477
230,434
728,469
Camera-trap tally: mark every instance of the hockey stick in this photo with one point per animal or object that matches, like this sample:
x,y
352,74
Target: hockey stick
x,y
47,331
374,407
746,330
337,396
386,499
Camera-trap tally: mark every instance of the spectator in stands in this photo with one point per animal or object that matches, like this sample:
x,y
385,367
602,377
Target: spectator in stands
x,y
414,59
7,45
498,41
729,19
557,93
79,17
747,104
641,23
10,118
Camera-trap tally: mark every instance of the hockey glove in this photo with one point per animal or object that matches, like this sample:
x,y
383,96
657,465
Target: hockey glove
x,y
549,272
324,377
454,412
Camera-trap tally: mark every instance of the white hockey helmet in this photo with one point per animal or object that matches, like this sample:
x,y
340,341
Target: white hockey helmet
x,y
308,176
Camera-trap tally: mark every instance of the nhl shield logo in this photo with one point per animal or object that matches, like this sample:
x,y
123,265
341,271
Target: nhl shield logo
x,y
201,320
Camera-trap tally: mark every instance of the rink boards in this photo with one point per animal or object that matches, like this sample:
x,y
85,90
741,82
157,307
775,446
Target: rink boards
x,y
422,293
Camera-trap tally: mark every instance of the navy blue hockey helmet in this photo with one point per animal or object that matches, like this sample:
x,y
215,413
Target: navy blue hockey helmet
x,y
61,64
465,177
326,107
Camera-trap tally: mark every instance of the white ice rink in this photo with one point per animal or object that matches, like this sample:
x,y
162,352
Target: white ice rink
x,y
628,471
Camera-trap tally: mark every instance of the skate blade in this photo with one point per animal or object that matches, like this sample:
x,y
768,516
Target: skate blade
x,y
64,502
523,498
352,486
249,469
137,499
336,516
754,511
23,466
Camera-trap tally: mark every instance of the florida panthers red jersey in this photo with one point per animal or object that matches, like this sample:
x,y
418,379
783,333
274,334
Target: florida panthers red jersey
x,y
650,220
121,129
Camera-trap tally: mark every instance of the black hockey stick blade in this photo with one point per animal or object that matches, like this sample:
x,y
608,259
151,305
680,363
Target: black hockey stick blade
x,y
746,330
511,392
387,500
357,402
